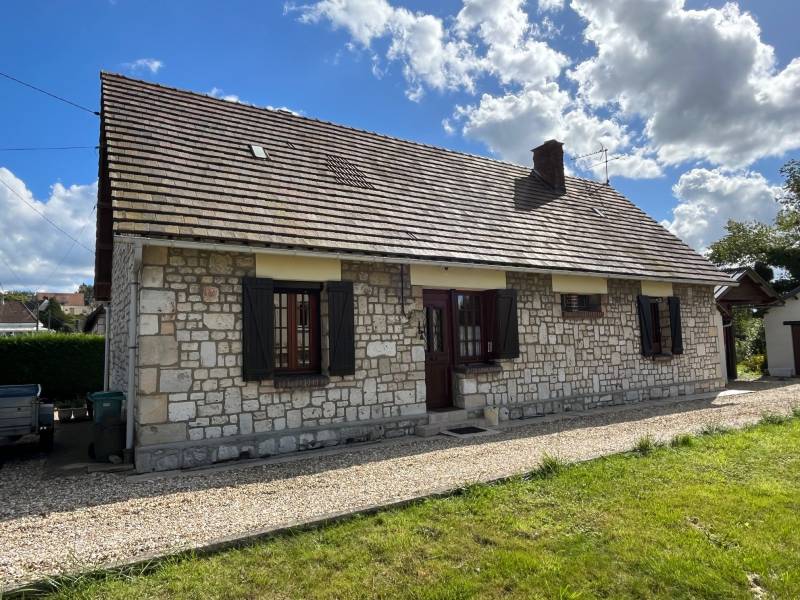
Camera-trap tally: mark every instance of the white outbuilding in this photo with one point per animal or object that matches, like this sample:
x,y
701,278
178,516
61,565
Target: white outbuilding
x,y
782,330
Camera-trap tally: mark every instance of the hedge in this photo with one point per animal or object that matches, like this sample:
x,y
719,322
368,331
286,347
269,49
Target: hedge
x,y
66,365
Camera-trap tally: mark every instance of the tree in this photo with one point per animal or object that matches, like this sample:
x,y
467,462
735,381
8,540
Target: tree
x,y
87,291
767,248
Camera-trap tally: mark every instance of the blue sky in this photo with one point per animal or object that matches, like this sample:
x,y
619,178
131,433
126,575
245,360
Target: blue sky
x,y
380,65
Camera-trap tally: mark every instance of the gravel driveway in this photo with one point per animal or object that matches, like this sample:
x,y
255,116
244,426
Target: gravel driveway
x,y
53,526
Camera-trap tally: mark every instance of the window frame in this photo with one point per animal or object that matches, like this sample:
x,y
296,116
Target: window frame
x,y
587,311
292,289
483,314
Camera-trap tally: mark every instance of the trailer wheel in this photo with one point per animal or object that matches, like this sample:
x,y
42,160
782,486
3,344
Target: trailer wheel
x,y
46,440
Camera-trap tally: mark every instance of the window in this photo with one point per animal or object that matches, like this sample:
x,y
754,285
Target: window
x,y
660,325
435,331
296,333
655,325
469,319
581,304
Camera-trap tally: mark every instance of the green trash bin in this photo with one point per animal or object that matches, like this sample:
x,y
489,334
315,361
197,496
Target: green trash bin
x,y
107,406
109,428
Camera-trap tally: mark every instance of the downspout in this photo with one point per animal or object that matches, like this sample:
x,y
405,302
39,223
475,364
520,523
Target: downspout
x,y
107,354
133,343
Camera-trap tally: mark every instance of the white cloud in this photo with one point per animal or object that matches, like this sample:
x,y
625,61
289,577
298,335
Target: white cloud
x,y
144,64
41,257
708,198
705,83
550,5
216,92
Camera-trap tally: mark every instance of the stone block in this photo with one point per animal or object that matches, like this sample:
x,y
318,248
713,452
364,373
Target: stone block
x,y
210,293
221,321
153,276
233,401
246,423
467,385
287,443
156,302
161,434
417,353
208,354
175,380
227,453
220,264
266,447
161,350
152,409
182,411
148,324
154,255
148,381
376,349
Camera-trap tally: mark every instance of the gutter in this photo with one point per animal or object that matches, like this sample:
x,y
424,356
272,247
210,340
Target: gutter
x,y
245,249
133,344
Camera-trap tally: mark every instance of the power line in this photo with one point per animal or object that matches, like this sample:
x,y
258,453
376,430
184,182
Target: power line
x,y
10,268
33,87
45,217
29,148
64,257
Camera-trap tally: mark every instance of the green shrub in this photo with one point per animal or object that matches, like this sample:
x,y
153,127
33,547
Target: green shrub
x,y
682,440
67,366
754,363
645,445
774,419
549,466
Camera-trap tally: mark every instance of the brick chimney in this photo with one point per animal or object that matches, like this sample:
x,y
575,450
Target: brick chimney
x,y
548,162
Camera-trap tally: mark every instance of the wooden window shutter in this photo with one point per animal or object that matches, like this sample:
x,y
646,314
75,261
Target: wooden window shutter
x,y
645,325
506,327
258,314
341,328
674,304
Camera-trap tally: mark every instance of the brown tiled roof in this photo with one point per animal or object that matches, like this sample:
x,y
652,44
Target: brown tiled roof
x,y
13,311
180,166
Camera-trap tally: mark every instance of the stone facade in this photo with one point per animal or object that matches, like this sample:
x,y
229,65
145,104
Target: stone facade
x,y
122,275
193,407
569,364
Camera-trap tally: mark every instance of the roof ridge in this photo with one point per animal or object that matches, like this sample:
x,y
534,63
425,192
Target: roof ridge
x,y
334,124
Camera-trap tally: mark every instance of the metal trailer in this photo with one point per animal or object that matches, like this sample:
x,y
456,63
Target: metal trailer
x,y
22,412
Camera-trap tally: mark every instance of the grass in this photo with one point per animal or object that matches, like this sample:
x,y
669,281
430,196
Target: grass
x,y
700,518
645,445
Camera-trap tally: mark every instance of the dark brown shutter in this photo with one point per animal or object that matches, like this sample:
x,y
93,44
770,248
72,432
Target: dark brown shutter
x,y
506,328
645,325
341,328
258,314
674,304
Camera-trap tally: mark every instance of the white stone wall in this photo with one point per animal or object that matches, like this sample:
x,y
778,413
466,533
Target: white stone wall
x,y
121,275
570,363
190,359
194,408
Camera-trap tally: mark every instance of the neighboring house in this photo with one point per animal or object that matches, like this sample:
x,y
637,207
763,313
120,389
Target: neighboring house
x,y
16,319
746,290
95,321
72,303
782,329
291,284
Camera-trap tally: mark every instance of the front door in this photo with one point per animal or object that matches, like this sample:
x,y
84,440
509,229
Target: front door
x,y
438,349
796,348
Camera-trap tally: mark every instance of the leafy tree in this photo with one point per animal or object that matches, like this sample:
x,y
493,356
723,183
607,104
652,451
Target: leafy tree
x,y
88,292
767,248
55,318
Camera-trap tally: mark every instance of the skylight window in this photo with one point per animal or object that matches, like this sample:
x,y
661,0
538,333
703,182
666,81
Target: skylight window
x,y
259,152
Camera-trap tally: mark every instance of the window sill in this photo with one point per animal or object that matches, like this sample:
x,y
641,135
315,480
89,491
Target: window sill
x,y
300,380
478,368
662,356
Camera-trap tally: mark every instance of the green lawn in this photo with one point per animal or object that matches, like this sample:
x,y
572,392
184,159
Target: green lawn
x,y
693,520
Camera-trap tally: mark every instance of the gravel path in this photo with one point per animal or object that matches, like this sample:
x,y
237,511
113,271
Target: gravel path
x,y
51,526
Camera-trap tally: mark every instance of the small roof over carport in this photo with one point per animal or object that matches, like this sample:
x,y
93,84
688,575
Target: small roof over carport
x,y
750,290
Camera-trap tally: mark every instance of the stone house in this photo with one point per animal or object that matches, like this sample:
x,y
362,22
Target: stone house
x,y
279,283
782,332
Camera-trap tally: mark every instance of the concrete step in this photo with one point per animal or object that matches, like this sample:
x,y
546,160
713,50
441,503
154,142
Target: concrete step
x,y
455,415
